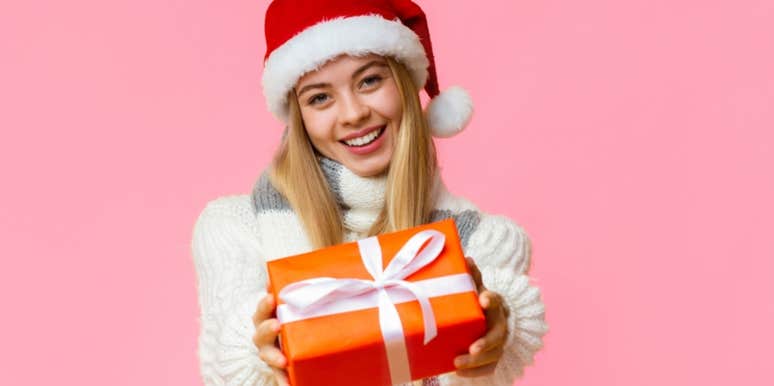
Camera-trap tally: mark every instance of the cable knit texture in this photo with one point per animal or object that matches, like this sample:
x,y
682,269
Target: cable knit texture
x,y
235,235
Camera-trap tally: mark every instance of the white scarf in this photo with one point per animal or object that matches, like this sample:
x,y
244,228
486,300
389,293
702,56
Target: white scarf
x,y
360,200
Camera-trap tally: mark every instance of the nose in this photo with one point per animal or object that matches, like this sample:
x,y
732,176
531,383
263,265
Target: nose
x,y
352,111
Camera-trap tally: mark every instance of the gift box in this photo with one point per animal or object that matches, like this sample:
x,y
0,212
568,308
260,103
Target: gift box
x,y
383,310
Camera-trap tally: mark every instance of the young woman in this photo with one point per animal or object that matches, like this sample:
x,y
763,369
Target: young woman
x,y
357,159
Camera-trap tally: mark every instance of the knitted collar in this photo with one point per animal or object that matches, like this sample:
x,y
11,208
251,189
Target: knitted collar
x,y
360,200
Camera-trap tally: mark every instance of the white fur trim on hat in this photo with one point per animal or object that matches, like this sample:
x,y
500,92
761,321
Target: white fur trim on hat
x,y
357,36
449,112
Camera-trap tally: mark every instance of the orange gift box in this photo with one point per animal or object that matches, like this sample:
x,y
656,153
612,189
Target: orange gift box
x,y
348,348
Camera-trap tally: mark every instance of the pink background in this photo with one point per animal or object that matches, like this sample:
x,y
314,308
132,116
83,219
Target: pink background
x,y
633,140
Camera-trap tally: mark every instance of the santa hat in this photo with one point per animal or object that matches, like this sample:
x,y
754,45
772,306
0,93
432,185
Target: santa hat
x,y
302,35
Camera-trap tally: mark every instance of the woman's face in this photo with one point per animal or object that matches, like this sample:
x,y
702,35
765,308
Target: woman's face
x,y
349,106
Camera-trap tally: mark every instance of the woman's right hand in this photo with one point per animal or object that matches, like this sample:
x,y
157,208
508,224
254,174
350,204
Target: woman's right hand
x,y
265,339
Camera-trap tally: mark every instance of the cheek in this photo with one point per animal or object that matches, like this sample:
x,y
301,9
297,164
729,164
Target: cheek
x,y
318,124
388,102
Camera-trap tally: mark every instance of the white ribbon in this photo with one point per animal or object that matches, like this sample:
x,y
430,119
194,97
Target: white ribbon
x,y
326,296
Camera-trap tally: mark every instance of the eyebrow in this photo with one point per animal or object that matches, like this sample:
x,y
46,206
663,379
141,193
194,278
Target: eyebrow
x,y
357,72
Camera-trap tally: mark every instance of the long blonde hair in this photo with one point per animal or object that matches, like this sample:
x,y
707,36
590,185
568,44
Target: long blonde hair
x,y
296,173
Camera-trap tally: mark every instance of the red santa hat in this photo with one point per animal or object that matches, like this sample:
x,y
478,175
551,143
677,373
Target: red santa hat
x,y
302,35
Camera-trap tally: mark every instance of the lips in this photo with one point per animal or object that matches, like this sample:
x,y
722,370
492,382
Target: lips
x,y
364,149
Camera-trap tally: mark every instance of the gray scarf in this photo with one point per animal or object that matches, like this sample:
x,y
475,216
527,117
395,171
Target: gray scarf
x,y
359,198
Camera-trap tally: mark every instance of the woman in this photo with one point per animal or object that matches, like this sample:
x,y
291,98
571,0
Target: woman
x,y
357,159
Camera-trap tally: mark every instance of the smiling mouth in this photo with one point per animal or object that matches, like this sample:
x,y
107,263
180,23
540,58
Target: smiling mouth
x,y
366,139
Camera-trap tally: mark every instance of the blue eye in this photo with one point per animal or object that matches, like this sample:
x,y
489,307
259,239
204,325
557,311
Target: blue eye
x,y
371,80
319,98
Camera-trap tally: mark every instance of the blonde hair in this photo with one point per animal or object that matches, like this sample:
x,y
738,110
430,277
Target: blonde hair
x,y
296,173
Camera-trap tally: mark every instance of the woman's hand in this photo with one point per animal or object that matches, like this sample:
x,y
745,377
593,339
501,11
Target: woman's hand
x,y
484,353
265,338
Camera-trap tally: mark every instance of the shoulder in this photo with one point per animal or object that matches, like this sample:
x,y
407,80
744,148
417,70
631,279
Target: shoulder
x,y
236,207
490,224
226,217
229,204
497,236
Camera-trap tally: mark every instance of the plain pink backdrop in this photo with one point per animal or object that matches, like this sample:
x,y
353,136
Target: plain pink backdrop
x,y
633,140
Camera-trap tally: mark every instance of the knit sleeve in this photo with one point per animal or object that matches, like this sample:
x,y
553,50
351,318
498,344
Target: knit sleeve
x,y
502,251
231,281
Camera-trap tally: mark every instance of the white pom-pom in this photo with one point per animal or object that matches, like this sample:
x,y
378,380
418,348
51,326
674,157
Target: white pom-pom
x,y
449,112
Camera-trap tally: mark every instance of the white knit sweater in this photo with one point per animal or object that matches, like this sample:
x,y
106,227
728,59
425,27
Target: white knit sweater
x,y
231,244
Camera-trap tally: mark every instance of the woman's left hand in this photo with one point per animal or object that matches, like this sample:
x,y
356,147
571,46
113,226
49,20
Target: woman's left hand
x,y
485,352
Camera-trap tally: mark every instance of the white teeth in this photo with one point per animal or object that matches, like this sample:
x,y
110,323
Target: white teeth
x,y
364,140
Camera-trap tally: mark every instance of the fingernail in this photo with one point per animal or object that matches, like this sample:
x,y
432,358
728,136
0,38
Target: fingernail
x,y
476,348
276,326
459,361
485,301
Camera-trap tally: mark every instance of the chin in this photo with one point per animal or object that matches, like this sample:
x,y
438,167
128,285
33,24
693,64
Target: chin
x,y
369,168
368,172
